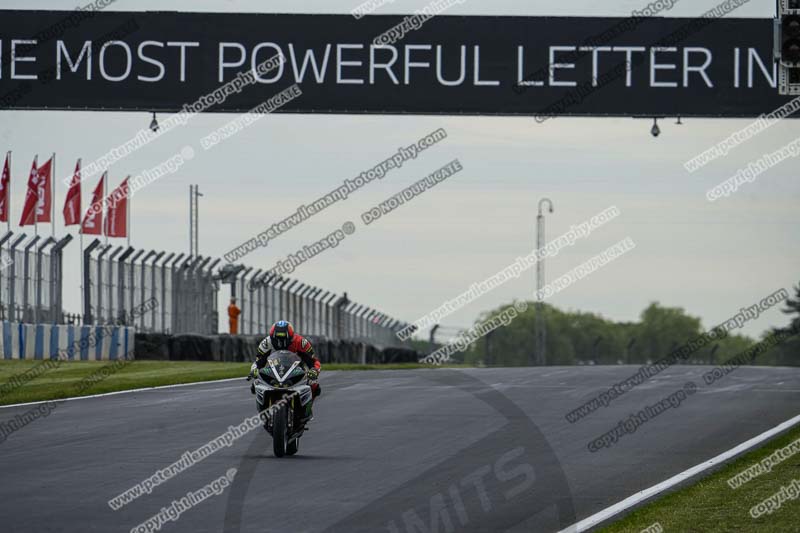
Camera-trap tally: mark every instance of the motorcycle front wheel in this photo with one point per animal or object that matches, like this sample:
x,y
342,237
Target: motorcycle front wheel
x,y
280,432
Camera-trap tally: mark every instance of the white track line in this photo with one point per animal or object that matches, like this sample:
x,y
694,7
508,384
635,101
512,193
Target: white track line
x,y
124,392
639,497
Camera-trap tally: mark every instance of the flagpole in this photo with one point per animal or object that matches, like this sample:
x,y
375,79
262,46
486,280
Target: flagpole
x,y
104,207
83,307
80,237
128,210
53,174
8,194
35,217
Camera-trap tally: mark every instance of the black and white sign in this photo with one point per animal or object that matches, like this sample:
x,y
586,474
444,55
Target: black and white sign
x,y
450,64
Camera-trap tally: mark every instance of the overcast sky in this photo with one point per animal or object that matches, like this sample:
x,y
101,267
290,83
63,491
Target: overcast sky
x,y
710,259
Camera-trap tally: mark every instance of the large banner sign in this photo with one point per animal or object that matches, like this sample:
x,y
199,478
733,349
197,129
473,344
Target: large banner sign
x,y
537,66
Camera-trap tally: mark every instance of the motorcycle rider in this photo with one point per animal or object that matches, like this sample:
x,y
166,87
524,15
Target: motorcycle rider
x,y
282,337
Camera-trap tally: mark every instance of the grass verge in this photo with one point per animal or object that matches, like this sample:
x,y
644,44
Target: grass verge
x,y
711,505
64,380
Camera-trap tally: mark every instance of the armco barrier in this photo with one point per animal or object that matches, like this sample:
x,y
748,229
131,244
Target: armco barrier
x,y
81,343
241,348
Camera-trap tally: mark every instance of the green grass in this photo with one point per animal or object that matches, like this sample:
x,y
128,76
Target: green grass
x,y
64,381
710,505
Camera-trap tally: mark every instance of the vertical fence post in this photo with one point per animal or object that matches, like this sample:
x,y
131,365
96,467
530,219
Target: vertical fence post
x,y
329,316
37,282
153,294
98,316
132,278
88,316
123,313
174,293
162,303
57,278
210,291
111,296
12,279
26,302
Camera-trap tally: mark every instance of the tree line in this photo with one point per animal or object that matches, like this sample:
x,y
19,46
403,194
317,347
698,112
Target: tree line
x,y
575,338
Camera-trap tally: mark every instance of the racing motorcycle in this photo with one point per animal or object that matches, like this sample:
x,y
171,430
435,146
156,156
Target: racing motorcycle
x,y
282,389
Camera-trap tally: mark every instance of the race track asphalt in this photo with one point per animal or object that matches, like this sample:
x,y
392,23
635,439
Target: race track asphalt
x,y
394,451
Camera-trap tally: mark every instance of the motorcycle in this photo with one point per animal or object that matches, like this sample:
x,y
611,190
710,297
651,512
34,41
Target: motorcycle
x,y
281,390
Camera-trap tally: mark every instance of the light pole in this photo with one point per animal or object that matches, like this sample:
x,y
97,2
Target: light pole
x,y
541,333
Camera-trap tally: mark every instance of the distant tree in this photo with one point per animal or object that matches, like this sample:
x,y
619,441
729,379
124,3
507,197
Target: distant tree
x,y
581,338
663,329
787,353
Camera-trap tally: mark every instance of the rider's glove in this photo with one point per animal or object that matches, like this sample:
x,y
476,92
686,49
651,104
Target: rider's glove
x,y
312,374
253,372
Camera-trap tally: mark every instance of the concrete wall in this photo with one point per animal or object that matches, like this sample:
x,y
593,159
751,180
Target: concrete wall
x,y
239,348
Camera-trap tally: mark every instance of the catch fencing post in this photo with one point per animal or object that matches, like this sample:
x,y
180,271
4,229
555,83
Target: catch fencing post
x,y
142,272
99,314
153,295
174,293
132,278
269,298
88,316
12,279
123,313
3,275
330,331
211,293
255,294
286,287
163,303
27,279
111,295
315,307
57,278
297,309
38,281
304,309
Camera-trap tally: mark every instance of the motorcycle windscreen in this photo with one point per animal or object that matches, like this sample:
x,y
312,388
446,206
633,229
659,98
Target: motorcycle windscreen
x,y
281,362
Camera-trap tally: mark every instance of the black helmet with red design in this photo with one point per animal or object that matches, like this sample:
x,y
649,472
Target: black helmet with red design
x,y
281,334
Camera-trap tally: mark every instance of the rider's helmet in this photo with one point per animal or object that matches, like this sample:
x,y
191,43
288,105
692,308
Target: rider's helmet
x,y
281,334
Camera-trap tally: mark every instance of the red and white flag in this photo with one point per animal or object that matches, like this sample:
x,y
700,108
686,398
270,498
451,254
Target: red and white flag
x,y
116,224
93,220
31,197
44,203
5,188
72,205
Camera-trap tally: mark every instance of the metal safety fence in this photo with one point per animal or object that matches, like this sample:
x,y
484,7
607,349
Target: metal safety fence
x,y
150,290
31,278
175,293
264,298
